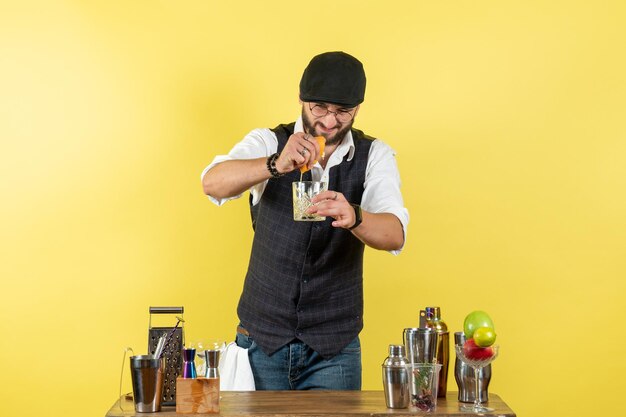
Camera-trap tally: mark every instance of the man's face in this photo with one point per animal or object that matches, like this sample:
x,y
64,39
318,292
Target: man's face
x,y
328,126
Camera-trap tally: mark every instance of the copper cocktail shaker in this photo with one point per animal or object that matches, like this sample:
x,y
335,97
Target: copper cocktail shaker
x,y
433,321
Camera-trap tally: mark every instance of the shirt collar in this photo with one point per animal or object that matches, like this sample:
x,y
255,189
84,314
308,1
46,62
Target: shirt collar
x,y
345,147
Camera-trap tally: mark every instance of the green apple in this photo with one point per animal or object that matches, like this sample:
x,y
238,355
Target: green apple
x,y
474,320
484,336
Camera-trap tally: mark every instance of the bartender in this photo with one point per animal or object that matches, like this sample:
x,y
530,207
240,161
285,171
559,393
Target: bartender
x,y
301,309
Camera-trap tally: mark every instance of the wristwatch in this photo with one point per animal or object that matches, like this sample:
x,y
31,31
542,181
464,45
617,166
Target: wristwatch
x,y
358,214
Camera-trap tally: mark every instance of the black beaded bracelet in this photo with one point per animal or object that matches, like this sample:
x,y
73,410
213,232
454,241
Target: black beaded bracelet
x,y
271,166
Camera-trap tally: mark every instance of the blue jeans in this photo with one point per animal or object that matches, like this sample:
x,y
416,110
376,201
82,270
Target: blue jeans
x,y
296,366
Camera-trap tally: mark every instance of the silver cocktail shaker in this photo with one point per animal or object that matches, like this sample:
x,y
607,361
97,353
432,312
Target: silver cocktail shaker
x,y
396,378
420,344
465,377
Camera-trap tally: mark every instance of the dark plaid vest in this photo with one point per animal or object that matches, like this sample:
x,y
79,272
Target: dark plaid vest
x,y
305,279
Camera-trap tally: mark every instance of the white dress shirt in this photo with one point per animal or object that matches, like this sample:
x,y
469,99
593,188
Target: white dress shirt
x,y
382,180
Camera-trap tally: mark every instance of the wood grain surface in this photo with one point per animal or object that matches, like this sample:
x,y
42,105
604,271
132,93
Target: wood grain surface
x,y
317,403
197,395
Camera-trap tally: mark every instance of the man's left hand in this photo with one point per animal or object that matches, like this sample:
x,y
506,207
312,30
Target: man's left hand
x,y
334,204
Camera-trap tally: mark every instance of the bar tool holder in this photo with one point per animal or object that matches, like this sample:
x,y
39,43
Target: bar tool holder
x,y
202,394
172,350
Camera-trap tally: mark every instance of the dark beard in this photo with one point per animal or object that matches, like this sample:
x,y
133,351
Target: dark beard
x,y
309,128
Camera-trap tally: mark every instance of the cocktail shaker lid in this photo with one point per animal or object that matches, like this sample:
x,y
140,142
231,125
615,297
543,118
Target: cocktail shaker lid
x,y
433,312
397,356
397,350
432,316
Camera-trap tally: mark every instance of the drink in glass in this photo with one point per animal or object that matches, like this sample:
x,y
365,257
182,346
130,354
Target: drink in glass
x,y
303,192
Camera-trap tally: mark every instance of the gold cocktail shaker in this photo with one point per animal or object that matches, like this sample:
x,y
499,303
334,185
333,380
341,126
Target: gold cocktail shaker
x,y
431,318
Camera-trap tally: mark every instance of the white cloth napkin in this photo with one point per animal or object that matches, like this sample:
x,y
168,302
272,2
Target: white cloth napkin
x,y
235,370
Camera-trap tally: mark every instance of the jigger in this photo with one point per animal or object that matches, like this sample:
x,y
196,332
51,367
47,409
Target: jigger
x,y
212,360
189,366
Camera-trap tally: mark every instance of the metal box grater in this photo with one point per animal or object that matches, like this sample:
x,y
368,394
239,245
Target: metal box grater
x,y
171,352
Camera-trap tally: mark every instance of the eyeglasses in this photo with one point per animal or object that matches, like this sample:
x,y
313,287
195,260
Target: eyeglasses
x,y
320,110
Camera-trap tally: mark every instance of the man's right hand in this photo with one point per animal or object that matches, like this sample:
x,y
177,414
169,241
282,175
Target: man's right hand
x,y
233,177
301,150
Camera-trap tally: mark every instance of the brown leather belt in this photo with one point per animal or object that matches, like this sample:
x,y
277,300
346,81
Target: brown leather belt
x,y
242,331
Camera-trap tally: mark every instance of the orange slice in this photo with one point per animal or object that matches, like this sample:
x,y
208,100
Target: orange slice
x,y
321,141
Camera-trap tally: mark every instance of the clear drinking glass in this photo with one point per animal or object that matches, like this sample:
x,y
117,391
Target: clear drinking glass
x,y
303,192
423,385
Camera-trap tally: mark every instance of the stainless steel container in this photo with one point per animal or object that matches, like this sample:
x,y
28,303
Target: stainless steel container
x,y
147,375
396,378
466,379
420,344
433,321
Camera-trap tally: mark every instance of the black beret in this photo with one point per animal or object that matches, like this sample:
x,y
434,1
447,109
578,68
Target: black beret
x,y
334,77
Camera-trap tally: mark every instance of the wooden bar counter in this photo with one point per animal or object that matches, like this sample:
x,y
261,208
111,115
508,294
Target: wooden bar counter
x,y
315,403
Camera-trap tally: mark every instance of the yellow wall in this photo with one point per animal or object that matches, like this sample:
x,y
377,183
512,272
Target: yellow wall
x,y
508,120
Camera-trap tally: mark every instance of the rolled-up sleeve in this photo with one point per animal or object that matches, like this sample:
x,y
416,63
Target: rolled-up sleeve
x,y
259,143
382,186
